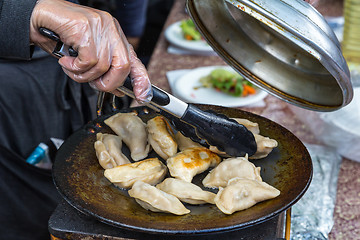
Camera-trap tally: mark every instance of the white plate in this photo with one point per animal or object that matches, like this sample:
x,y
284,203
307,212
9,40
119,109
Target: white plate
x,y
175,36
186,88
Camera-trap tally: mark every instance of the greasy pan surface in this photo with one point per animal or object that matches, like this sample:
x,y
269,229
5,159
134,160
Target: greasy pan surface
x,y
79,178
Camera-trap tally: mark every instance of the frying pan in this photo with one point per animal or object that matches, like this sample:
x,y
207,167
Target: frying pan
x,y
79,178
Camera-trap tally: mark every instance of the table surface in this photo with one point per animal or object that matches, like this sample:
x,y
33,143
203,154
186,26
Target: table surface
x,y
347,209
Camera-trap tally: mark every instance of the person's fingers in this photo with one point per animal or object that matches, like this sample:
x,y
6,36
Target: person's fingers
x,y
87,58
120,66
140,79
87,71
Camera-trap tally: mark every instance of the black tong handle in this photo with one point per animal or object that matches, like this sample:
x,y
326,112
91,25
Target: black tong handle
x,y
60,49
160,97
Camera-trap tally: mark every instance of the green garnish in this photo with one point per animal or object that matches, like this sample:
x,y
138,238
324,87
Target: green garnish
x,y
189,30
228,82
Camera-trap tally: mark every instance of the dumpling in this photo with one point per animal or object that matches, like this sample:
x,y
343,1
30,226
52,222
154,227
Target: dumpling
x,y
186,191
161,137
186,164
264,146
231,168
217,151
133,132
251,126
185,142
241,193
153,199
151,171
108,150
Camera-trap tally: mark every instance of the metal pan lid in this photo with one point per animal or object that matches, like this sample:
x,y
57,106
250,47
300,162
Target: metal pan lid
x,y
283,46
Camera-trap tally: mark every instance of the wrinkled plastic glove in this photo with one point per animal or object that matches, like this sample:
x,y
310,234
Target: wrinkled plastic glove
x,y
105,58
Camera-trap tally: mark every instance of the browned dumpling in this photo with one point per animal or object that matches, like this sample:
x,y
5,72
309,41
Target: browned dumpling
x,y
231,168
186,164
153,199
242,193
161,137
264,146
132,130
186,191
151,171
108,150
185,142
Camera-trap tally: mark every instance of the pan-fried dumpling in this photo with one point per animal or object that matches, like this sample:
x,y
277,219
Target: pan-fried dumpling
x,y
185,142
186,164
231,168
153,199
151,171
161,137
186,191
251,126
108,150
264,146
242,193
133,132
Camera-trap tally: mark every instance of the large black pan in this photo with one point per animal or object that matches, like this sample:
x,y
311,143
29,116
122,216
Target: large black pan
x,y
79,178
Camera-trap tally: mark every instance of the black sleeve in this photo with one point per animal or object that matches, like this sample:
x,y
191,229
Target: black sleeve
x,y
15,28
131,15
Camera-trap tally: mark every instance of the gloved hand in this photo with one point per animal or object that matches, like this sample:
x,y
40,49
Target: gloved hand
x,y
105,58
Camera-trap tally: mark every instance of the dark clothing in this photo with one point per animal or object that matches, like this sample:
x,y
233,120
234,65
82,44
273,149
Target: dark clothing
x,y
28,197
37,101
14,37
131,15
27,194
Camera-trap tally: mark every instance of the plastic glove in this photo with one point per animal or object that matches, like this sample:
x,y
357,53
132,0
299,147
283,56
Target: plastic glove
x,y
139,79
105,57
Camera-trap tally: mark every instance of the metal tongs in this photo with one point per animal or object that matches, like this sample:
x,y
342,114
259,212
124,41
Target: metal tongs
x,y
204,127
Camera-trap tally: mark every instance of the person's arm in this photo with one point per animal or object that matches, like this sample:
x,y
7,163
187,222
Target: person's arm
x,y
14,33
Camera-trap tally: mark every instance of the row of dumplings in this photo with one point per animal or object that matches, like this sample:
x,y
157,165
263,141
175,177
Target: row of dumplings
x,y
238,180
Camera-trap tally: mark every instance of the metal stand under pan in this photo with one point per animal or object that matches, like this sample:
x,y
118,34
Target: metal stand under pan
x,y
68,223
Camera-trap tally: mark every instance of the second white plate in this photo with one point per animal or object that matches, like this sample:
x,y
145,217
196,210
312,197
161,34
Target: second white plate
x,y
187,88
175,36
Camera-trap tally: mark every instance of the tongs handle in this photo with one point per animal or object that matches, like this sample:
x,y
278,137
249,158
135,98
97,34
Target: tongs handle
x,y
60,49
161,100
